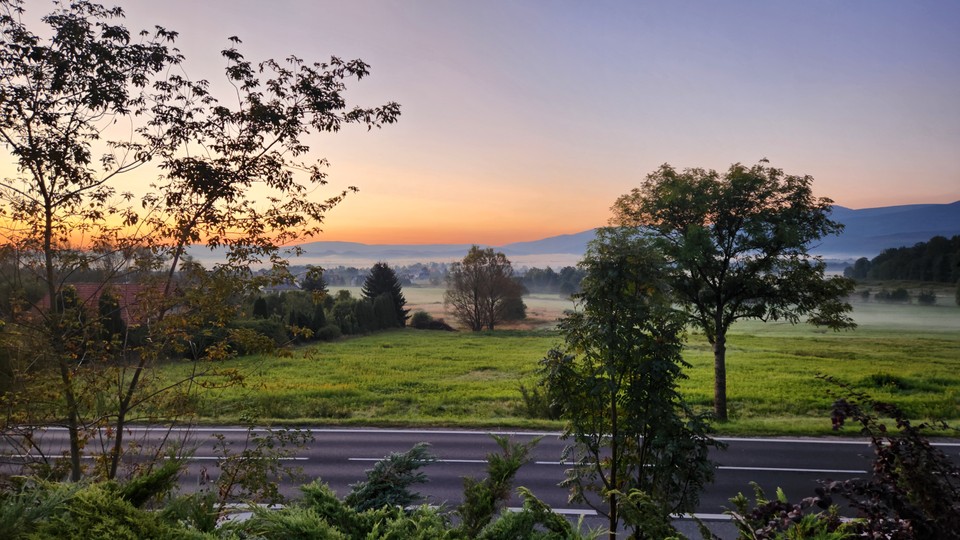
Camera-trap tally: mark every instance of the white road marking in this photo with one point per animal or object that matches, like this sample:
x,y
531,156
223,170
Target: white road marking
x,y
773,469
432,461
556,463
190,458
779,469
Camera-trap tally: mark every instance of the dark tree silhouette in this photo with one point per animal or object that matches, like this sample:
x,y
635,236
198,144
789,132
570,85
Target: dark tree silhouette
x,y
383,280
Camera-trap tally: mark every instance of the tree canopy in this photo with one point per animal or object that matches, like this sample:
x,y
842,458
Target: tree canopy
x,y
737,244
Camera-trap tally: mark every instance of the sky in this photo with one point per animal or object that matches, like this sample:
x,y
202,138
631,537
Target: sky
x,y
527,119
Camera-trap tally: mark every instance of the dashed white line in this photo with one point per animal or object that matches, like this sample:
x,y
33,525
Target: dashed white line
x,y
785,469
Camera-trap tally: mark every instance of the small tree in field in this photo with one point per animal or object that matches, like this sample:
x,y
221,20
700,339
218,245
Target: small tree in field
x,y
635,444
738,245
480,287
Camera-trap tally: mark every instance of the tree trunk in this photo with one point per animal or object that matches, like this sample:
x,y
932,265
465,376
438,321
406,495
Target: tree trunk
x,y
59,347
613,519
73,418
720,377
614,465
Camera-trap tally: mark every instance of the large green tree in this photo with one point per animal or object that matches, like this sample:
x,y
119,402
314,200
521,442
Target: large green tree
x,y
480,288
635,443
231,174
383,280
738,246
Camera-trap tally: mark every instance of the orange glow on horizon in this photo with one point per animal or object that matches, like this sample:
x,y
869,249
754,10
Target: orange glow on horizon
x,y
372,235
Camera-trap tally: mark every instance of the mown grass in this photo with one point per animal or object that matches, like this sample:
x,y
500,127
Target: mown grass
x,y
908,355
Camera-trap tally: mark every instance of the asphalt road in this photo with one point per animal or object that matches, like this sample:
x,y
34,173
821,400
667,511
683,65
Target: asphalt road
x,y
339,457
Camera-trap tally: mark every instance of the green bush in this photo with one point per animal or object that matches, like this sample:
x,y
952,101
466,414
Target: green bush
x,y
25,509
423,523
388,482
329,332
484,498
290,523
99,511
536,404
152,485
422,319
271,328
897,295
196,511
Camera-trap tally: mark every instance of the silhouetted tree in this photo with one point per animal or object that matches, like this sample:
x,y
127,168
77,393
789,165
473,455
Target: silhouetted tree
x,y
260,308
859,270
383,280
111,318
513,307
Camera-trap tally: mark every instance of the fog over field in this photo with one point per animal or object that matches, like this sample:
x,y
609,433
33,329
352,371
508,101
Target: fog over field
x,y
870,315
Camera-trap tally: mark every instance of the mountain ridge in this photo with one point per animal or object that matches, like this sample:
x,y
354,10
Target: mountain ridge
x,y
867,232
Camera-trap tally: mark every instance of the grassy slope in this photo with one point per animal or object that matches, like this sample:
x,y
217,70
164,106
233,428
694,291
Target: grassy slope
x,y
909,355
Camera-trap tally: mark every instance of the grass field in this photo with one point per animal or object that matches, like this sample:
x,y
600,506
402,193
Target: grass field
x,y
906,354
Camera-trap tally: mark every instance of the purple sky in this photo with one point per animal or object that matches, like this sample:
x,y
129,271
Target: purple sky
x,y
526,119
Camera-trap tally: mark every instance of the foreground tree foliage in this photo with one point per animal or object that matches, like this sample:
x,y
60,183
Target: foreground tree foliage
x,y
481,288
229,175
636,446
738,246
375,509
912,494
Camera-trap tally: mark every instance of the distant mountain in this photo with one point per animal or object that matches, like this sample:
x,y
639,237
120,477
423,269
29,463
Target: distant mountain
x,y
386,252
867,232
574,244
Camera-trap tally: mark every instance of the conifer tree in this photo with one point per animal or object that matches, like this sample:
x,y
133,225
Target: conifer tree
x,y
383,280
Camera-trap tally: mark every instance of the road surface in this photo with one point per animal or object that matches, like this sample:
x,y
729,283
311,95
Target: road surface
x,y
339,457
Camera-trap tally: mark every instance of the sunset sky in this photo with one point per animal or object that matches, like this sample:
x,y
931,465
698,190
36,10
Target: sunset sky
x,y
526,119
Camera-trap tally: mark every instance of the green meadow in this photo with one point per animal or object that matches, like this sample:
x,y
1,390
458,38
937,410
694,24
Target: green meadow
x,y
905,354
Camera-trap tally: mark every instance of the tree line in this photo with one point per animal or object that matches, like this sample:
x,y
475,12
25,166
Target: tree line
x,y
936,260
312,313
